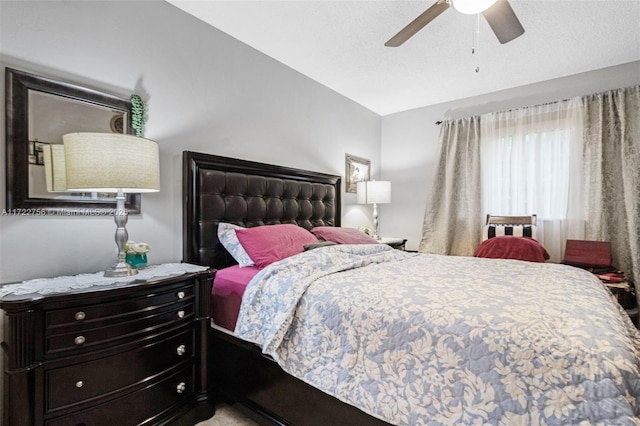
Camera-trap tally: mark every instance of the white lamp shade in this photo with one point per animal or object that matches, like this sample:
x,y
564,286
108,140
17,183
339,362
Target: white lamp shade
x,y
472,6
374,192
54,168
108,162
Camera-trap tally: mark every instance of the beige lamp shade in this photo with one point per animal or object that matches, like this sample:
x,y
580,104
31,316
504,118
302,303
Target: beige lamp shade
x,y
373,192
108,162
54,168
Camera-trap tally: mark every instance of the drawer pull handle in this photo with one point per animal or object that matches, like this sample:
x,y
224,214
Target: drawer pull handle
x,y
79,384
181,295
182,349
181,387
180,314
79,340
79,316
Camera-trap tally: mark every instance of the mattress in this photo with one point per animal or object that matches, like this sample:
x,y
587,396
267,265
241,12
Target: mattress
x,y
229,285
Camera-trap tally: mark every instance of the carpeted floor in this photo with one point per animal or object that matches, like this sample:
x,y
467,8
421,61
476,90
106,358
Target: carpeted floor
x,y
227,415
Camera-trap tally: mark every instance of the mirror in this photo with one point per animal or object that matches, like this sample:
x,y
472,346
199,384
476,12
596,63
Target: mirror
x,y
39,111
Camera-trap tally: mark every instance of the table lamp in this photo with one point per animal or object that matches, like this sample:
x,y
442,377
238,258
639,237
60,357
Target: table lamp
x,y
112,162
54,168
374,192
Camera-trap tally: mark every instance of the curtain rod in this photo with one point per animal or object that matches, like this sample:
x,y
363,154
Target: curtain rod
x,y
439,122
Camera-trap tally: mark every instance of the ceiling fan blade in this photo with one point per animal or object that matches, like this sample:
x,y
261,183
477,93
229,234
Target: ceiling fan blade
x,y
503,21
417,24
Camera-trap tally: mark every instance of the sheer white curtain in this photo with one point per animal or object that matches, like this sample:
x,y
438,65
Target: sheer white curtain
x,y
531,163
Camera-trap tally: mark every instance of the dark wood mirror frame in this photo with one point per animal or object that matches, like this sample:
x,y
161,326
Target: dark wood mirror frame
x,y
18,84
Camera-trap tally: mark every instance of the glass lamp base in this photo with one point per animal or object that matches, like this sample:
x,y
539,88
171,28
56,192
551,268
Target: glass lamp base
x,y
120,269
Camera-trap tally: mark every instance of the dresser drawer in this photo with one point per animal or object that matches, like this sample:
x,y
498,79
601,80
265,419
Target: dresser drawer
x,y
82,316
137,407
84,337
78,383
134,353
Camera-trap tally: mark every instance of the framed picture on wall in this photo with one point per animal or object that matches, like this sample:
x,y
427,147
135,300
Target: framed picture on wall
x,y
357,169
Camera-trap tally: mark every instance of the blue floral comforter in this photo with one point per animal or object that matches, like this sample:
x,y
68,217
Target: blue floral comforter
x,y
427,339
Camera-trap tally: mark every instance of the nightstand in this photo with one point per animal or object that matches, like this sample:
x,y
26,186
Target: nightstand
x,y
84,350
396,243
625,294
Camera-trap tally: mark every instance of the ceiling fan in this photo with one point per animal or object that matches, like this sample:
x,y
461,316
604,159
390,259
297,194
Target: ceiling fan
x,y
498,13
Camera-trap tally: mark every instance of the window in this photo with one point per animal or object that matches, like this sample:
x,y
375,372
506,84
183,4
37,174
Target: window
x,y
530,164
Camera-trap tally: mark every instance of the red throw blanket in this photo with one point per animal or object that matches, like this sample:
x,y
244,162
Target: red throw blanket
x,y
508,247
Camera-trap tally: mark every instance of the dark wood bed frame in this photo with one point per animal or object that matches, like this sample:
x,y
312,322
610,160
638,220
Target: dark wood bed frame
x,y
238,371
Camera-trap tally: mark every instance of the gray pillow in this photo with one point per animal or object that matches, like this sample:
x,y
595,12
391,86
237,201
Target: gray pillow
x,y
318,244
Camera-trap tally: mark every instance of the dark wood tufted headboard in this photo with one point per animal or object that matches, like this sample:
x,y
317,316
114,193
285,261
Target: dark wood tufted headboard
x,y
219,189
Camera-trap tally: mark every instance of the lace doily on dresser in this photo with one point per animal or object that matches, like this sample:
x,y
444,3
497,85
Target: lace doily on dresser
x,y
83,281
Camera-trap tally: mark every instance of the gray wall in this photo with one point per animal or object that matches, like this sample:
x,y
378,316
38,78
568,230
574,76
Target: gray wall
x,y
410,147
206,92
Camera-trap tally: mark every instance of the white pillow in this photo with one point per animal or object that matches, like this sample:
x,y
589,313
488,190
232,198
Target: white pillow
x,y
229,239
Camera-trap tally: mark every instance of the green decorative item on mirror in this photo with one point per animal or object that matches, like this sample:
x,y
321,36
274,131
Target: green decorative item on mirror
x,y
138,116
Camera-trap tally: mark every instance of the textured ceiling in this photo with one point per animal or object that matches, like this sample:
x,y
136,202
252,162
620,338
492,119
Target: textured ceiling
x,y
341,45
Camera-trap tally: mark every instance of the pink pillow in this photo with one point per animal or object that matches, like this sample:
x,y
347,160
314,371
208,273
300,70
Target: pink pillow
x,y
342,235
270,243
508,247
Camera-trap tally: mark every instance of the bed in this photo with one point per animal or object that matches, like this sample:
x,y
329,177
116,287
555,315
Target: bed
x,y
467,340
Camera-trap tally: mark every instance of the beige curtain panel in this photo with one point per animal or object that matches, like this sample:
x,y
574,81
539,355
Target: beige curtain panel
x,y
612,174
453,221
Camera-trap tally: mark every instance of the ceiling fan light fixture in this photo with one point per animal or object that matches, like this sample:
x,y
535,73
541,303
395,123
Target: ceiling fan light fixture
x,y
472,6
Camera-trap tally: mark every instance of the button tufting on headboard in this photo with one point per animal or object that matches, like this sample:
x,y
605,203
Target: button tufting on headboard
x,y
219,189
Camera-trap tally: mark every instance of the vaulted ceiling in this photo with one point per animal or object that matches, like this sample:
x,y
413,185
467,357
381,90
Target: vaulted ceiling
x,y
340,44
